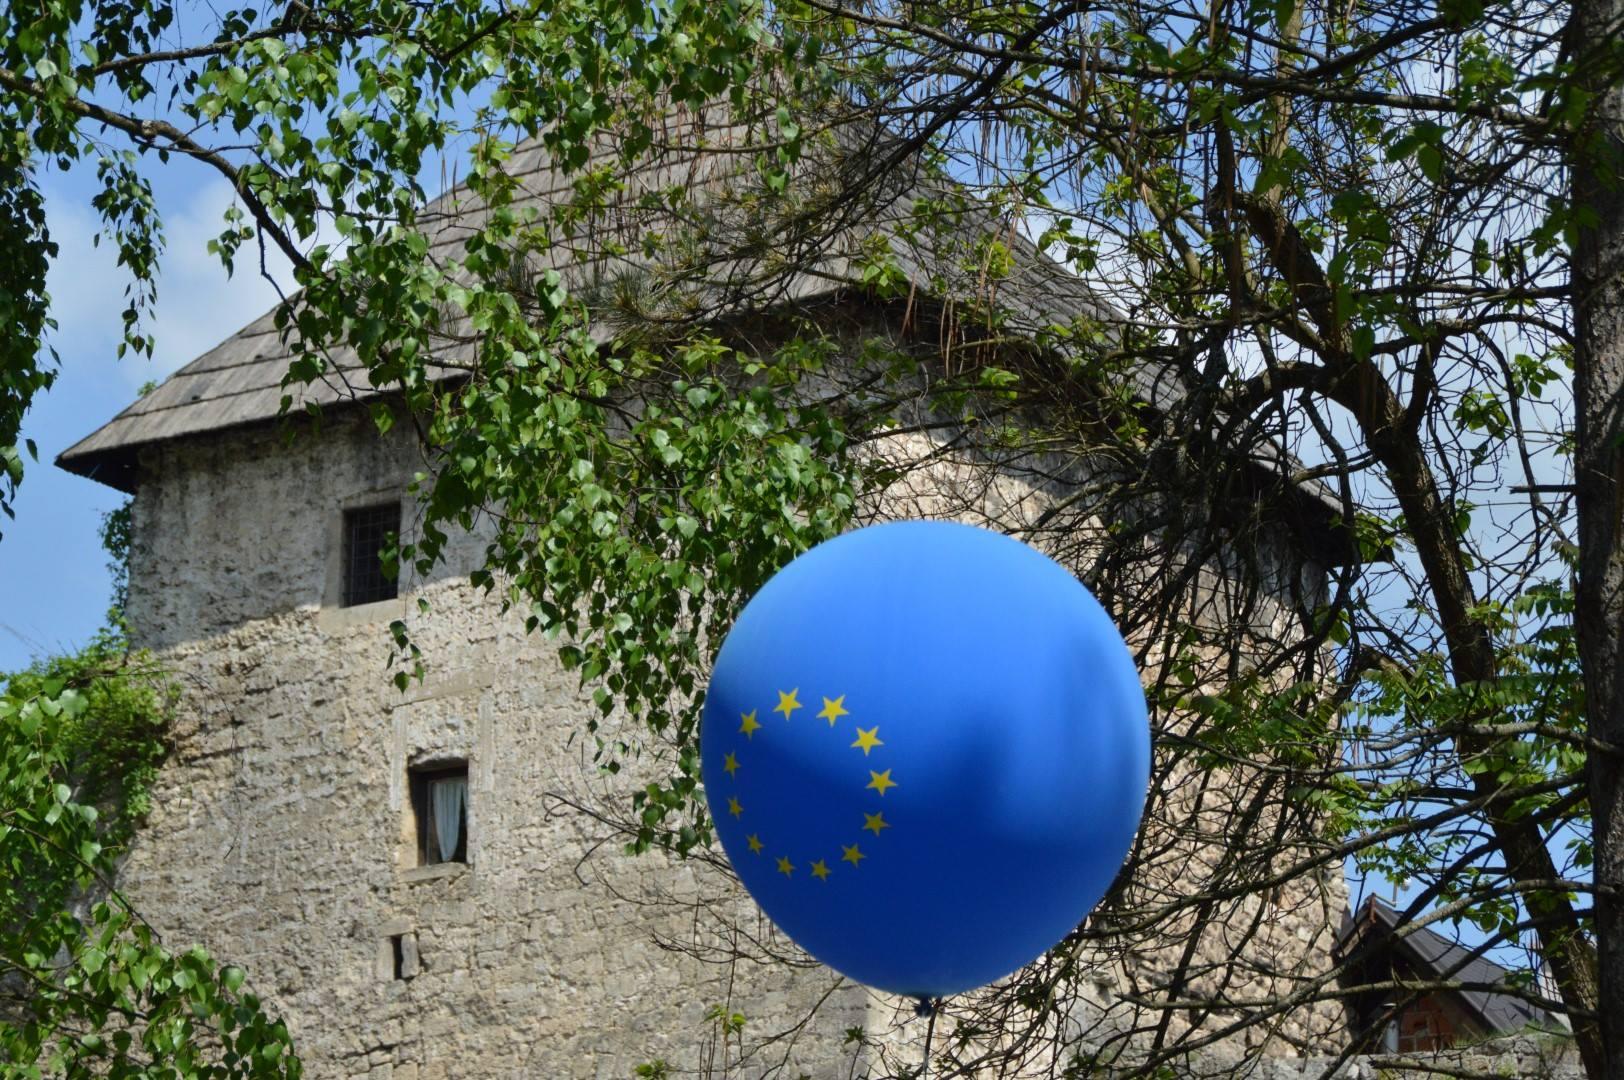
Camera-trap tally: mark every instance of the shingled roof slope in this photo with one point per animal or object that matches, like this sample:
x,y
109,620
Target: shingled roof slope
x,y
240,380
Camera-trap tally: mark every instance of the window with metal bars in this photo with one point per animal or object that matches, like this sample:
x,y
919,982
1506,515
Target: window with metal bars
x,y
366,533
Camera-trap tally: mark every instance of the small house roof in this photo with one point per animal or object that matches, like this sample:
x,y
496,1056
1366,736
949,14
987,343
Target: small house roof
x,y
1433,955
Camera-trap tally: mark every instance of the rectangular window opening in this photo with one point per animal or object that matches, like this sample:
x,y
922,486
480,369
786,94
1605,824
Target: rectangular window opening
x,y
368,532
397,957
440,805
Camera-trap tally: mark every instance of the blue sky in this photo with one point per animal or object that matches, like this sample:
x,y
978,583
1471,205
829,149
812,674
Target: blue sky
x,y
54,585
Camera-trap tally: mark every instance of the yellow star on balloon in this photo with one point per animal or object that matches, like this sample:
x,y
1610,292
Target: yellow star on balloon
x,y
749,727
755,843
734,808
868,740
875,822
852,855
880,781
820,870
785,867
730,764
833,710
787,703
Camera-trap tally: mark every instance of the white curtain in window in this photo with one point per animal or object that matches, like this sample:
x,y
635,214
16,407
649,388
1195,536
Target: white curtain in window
x,y
447,801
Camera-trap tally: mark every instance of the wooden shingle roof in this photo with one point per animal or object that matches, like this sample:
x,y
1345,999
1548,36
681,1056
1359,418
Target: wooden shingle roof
x,y
240,381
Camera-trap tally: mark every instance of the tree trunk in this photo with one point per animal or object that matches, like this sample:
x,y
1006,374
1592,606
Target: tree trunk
x,y
1528,859
1360,387
1598,285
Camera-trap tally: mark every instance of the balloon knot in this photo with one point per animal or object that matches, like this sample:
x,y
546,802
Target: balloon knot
x,y
924,1007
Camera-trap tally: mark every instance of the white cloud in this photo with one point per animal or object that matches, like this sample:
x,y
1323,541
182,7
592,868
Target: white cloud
x,y
198,306
84,281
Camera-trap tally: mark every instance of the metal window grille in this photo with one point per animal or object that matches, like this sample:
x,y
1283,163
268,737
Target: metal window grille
x,y
366,533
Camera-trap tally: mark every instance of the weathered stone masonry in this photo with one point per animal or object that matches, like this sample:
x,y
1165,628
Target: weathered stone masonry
x,y
282,838
281,835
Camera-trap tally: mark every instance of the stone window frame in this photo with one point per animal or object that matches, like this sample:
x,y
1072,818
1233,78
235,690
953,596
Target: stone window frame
x,y
398,958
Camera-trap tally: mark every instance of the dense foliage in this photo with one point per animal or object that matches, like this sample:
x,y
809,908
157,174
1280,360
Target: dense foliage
x,y
24,311
86,987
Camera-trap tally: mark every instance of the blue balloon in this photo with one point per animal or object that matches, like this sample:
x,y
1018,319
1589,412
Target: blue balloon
x,y
926,749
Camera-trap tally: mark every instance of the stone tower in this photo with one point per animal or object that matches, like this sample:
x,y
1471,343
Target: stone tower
x,y
430,883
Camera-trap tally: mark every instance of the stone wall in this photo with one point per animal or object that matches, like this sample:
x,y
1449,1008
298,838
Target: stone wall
x,y
282,836
1245,945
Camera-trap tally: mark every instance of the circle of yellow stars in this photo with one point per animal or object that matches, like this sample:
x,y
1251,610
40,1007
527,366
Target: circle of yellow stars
x,y
867,740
